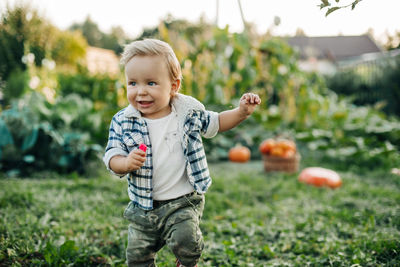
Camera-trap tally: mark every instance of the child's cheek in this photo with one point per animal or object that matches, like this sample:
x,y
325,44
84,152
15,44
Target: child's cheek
x,y
131,97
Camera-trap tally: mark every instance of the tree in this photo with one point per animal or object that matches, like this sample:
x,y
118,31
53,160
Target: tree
x,y
392,42
28,39
21,32
24,39
90,31
331,7
95,37
68,48
114,40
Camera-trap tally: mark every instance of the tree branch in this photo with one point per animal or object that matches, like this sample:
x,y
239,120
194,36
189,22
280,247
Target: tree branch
x,y
326,4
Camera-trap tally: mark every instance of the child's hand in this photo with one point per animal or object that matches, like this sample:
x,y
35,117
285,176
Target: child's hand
x,y
135,160
248,103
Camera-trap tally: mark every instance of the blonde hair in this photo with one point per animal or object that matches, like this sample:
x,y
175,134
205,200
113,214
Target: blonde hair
x,y
153,47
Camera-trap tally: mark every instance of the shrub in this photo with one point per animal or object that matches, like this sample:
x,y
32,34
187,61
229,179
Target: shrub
x,y
369,85
37,136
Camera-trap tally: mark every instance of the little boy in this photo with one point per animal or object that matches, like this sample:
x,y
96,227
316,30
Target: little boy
x,y
167,182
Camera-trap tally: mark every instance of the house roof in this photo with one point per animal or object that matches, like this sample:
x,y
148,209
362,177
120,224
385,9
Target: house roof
x,y
335,48
101,60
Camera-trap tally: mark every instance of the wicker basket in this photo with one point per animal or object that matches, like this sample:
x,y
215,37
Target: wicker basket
x,y
273,163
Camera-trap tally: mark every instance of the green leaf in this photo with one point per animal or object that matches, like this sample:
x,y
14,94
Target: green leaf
x,y
64,161
330,10
29,158
30,140
268,251
324,3
68,249
5,135
50,253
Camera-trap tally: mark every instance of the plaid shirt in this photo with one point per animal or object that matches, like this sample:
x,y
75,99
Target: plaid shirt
x,y
128,130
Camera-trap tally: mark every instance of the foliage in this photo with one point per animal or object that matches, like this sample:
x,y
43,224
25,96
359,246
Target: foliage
x,y
39,136
95,37
351,135
21,29
382,89
250,219
27,39
392,41
16,85
331,7
68,48
106,95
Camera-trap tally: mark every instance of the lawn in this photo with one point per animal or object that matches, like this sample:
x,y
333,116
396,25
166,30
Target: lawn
x,y
251,219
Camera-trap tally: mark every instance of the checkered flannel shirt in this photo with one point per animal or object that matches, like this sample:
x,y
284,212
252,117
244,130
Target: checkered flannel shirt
x,y
128,130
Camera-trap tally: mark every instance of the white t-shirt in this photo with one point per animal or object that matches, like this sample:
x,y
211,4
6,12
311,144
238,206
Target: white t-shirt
x,y
169,164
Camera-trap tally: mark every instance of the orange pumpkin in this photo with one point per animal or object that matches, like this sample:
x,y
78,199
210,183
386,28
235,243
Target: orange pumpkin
x,y
239,154
289,154
287,145
267,145
282,148
277,151
317,176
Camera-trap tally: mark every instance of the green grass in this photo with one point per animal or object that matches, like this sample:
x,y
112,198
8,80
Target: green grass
x,y
251,219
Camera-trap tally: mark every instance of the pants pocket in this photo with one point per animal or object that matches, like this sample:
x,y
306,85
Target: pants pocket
x,y
130,211
196,201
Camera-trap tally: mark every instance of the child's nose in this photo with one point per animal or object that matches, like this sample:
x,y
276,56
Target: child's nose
x,y
142,90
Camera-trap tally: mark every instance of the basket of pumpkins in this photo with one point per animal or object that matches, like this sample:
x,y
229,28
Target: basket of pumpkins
x,y
280,154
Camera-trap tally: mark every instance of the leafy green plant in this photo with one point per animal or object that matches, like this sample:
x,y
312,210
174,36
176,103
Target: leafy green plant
x,y
92,101
38,136
56,256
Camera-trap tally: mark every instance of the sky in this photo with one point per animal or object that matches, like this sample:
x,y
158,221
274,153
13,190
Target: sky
x,y
382,16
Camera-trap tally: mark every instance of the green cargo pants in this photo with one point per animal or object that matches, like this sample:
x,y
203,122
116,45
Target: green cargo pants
x,y
174,223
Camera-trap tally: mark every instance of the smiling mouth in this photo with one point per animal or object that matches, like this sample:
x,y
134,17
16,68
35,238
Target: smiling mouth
x,y
145,103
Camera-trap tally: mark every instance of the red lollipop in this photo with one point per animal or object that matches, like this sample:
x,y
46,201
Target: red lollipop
x,y
143,147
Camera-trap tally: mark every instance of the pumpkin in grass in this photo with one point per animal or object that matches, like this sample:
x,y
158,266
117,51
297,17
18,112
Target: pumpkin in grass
x,y
239,153
319,177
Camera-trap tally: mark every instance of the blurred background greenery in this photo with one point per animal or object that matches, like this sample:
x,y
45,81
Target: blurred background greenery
x,y
55,111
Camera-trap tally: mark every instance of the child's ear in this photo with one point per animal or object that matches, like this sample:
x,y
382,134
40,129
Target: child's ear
x,y
175,86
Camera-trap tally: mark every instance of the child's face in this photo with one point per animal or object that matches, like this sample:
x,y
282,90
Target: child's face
x,y
149,86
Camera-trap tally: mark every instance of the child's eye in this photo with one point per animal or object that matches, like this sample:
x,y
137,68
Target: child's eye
x,y
152,83
132,83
